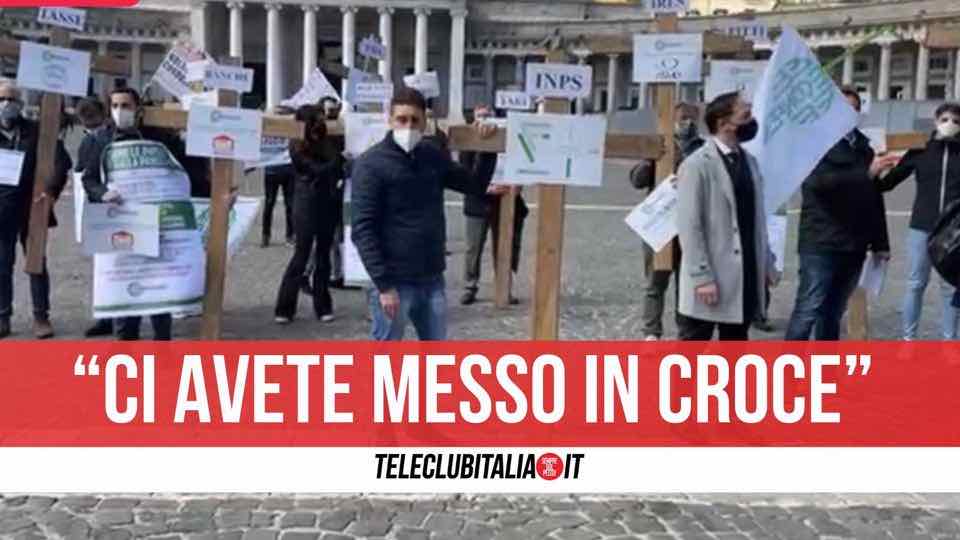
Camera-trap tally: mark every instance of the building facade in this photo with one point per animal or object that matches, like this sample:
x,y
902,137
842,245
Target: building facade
x,y
478,46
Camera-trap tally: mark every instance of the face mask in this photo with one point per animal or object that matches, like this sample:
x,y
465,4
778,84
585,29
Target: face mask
x,y
686,129
948,128
746,132
407,138
9,113
123,118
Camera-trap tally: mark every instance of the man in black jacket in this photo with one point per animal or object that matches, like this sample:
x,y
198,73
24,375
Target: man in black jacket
x,y
399,226
843,218
482,213
19,135
127,115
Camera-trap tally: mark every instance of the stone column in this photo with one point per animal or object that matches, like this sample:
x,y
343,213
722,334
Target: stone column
x,y
956,76
198,24
641,95
274,59
613,69
489,77
582,102
236,29
386,38
886,50
848,67
103,80
923,72
136,66
309,40
520,71
422,40
349,45
458,37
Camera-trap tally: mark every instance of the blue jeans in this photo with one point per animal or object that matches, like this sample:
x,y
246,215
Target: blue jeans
x,y
826,282
917,279
423,304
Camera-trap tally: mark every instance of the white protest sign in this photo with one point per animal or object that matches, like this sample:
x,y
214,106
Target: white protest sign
x,y
733,76
777,239
65,17
53,69
210,99
128,228
801,114
555,149
866,102
11,165
316,88
218,132
353,269
750,30
218,77
355,79
127,284
427,83
242,215
371,48
668,6
172,73
873,276
372,92
667,58
878,138
79,201
513,100
363,130
559,80
655,219
274,151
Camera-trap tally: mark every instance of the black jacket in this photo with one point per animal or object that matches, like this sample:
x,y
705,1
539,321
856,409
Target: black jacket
x,y
644,174
317,180
197,168
936,187
399,226
15,201
482,206
843,210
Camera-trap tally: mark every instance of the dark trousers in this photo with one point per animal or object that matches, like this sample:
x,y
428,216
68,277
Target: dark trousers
x,y
826,282
698,330
655,284
273,184
476,231
162,328
39,283
314,225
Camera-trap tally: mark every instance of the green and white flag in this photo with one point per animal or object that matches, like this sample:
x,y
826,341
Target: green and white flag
x,y
802,114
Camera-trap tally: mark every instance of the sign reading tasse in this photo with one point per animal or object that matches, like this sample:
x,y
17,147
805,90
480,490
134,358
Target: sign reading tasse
x,y
513,100
559,81
65,17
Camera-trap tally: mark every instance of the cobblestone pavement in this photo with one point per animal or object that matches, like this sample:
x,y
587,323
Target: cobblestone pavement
x,y
602,292
726,517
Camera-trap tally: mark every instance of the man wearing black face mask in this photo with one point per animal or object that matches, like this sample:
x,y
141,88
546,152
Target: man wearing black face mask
x,y
17,134
723,232
686,140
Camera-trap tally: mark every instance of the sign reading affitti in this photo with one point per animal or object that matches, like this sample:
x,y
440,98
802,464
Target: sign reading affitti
x,y
65,17
218,77
559,81
753,31
514,100
667,58
53,69
224,133
668,6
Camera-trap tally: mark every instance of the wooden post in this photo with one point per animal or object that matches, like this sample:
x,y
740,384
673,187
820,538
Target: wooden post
x,y
504,262
545,316
665,95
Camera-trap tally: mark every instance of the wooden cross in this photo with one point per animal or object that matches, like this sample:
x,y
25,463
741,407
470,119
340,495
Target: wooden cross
x,y
49,132
222,183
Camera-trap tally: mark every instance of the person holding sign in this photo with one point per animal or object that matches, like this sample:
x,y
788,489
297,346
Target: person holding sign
x,y
18,150
843,218
319,167
399,226
937,172
722,227
126,112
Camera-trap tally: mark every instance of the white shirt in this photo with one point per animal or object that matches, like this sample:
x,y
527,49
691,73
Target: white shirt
x,y
724,149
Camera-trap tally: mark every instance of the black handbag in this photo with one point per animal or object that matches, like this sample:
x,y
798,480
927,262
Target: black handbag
x,y
944,244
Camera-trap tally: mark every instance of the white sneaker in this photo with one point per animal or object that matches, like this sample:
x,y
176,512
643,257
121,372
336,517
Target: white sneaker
x,y
327,318
651,337
282,320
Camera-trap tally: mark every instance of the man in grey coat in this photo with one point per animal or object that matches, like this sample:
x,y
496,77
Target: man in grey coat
x,y
722,225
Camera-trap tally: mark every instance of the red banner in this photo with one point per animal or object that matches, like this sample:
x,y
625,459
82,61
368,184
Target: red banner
x,y
73,3
465,394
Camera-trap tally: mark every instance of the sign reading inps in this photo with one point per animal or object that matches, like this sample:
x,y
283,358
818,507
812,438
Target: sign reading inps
x,y
559,80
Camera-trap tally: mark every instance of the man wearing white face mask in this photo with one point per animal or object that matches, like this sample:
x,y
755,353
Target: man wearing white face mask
x,y
937,171
399,226
126,112
19,135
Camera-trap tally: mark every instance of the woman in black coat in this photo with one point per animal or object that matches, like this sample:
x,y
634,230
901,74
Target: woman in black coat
x,y
318,167
937,171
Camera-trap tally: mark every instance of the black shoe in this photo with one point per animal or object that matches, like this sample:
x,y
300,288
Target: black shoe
x,y
265,242
514,301
764,325
338,284
4,327
103,327
468,298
